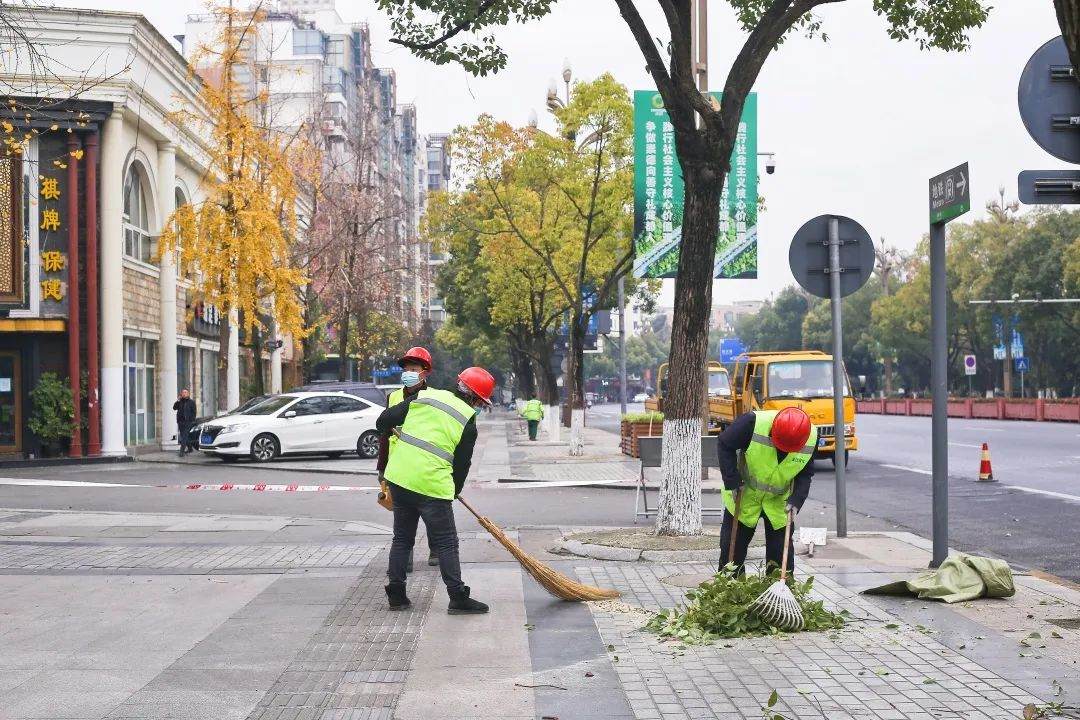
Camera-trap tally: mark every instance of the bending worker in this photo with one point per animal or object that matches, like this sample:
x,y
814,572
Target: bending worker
x,y
767,458
533,412
415,367
436,432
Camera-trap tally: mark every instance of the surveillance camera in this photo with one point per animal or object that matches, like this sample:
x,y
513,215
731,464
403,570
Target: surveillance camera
x,y
770,165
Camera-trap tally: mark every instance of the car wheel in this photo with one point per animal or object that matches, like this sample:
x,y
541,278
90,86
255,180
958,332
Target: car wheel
x,y
264,448
368,445
334,455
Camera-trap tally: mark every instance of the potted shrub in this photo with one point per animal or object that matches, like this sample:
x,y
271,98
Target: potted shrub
x,y
635,425
52,415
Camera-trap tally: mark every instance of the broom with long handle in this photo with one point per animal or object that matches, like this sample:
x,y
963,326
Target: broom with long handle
x,y
777,605
734,527
554,582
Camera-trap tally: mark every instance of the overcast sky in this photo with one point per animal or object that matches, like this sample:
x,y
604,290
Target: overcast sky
x,y
858,124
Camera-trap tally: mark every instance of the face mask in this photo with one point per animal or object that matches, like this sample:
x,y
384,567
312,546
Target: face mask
x,y
410,378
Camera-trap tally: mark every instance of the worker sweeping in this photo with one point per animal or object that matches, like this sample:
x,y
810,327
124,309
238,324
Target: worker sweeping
x,y
415,367
436,432
533,412
766,461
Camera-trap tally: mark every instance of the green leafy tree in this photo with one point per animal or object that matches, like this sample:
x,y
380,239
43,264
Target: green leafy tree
x,y
446,31
779,323
52,415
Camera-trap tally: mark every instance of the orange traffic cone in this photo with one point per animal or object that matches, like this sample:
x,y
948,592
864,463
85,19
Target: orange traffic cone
x,y
986,474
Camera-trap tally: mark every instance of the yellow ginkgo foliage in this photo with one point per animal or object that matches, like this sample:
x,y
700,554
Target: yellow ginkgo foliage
x,y
236,242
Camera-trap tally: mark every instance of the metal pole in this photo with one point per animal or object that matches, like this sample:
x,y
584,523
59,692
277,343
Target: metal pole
x,y
840,451
622,348
939,383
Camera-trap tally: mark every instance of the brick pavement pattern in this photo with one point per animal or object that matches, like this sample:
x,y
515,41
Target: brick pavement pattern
x,y
865,671
354,667
188,556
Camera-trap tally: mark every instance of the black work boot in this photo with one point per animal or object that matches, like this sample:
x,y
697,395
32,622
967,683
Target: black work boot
x,y
462,604
432,558
395,593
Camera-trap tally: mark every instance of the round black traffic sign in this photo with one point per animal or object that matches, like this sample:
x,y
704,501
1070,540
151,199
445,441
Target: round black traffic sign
x,y
808,255
1047,102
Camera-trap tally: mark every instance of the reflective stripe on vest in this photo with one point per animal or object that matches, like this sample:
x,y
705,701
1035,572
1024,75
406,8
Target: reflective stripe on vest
x,y
451,411
425,445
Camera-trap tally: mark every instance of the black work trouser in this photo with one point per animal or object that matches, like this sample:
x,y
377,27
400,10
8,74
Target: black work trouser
x,y
438,516
774,544
183,432
534,426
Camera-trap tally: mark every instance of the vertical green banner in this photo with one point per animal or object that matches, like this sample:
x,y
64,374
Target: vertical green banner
x,y
658,195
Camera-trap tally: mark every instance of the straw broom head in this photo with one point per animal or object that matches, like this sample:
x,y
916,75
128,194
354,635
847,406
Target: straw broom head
x,y
554,582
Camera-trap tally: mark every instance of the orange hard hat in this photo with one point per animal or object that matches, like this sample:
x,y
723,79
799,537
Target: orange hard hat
x,y
416,354
479,382
790,430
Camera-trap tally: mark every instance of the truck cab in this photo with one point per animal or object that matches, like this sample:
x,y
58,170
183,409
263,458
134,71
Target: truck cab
x,y
775,380
719,386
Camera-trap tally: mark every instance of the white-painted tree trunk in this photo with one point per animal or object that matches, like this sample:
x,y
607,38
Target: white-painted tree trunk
x,y
232,389
552,421
679,508
577,432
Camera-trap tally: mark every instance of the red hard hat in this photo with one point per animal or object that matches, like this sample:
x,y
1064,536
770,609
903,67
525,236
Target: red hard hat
x,y
790,429
479,381
417,354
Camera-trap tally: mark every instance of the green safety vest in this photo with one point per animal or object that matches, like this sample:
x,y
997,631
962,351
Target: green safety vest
x,y
423,459
398,396
533,410
767,484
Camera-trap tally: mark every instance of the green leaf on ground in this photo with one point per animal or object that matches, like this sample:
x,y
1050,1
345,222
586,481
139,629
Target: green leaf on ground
x,y
891,626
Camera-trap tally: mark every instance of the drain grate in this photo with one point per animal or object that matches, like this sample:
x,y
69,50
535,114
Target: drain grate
x,y
1066,623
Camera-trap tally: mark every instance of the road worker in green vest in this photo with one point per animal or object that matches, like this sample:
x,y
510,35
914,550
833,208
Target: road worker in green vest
x,y
766,460
415,367
436,433
533,412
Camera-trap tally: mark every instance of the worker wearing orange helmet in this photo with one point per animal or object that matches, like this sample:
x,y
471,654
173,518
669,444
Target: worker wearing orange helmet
x,y
766,461
415,367
436,433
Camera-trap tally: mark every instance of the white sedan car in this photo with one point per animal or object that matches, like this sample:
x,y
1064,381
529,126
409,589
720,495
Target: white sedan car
x,y
312,423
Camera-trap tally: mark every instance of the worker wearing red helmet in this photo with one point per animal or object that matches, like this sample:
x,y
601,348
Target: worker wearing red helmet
x,y
436,433
415,367
766,458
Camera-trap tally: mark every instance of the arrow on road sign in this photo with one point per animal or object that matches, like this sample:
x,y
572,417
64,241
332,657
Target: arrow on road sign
x,y
962,182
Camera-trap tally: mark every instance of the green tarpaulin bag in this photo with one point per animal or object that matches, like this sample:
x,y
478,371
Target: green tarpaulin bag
x,y
961,577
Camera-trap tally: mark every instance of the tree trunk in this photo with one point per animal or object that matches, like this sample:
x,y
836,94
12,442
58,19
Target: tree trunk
x,y
575,391
547,379
1068,15
679,507
307,346
523,373
888,375
223,363
343,342
256,355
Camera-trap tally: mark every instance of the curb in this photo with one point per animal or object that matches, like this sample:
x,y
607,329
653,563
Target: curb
x,y
621,554
263,466
60,462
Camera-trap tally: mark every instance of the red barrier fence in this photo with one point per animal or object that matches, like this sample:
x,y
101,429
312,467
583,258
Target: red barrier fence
x,y
995,409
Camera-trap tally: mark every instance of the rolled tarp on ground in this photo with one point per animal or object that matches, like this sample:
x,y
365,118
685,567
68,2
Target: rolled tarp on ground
x,y
961,577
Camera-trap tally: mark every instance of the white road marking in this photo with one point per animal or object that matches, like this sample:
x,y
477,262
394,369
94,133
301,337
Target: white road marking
x,y
1048,493
909,469
978,447
981,428
63,483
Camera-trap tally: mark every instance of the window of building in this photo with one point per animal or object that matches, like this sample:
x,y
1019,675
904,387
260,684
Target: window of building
x,y
139,394
333,79
307,42
185,375
138,243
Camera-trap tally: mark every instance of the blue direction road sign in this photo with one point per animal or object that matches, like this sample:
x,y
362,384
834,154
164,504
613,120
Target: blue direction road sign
x,y
731,348
1022,364
386,372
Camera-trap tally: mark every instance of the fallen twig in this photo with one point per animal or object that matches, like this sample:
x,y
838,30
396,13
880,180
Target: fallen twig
x,y
540,685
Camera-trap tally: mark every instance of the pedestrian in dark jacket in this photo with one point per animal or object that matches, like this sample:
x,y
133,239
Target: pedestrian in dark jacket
x,y
185,419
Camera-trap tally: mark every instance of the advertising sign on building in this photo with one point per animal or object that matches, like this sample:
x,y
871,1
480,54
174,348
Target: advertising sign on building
x,y
658,195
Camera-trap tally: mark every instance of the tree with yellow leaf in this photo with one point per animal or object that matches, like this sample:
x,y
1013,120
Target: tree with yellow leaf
x,y
237,241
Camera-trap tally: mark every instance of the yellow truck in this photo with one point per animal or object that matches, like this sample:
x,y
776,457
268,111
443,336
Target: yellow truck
x,y
775,380
719,388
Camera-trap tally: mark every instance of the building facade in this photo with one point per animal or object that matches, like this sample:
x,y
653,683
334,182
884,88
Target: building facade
x,y
437,179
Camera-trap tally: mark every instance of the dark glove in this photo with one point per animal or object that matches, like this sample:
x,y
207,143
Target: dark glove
x,y
458,489
732,484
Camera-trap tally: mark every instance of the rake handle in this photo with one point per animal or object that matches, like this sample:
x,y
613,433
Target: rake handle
x,y
787,544
734,527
